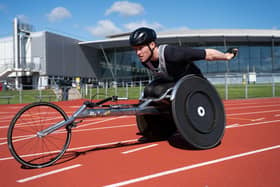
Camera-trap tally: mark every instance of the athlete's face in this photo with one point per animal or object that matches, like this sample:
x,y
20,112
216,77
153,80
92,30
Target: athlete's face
x,y
143,52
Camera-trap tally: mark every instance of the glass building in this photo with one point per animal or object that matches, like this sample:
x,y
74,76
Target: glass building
x,y
41,57
259,52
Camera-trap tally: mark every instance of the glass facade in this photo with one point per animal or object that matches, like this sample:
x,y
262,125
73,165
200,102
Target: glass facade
x,y
260,57
121,64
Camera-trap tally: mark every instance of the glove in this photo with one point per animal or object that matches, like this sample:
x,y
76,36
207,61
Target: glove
x,y
233,51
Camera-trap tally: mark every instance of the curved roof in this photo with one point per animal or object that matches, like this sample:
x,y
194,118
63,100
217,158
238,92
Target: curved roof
x,y
185,35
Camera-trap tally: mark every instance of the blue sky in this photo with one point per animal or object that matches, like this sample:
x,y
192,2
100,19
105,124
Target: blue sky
x,y
94,19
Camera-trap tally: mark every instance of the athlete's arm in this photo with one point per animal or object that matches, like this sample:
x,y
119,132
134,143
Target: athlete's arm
x,y
213,54
183,54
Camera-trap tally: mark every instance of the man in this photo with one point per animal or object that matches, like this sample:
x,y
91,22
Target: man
x,y
169,63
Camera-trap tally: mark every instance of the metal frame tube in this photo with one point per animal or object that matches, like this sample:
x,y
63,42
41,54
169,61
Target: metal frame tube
x,y
115,110
91,113
60,124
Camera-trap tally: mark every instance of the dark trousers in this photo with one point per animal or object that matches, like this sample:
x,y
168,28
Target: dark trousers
x,y
157,87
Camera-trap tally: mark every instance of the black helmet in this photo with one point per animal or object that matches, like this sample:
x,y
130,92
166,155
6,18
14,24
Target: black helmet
x,y
142,36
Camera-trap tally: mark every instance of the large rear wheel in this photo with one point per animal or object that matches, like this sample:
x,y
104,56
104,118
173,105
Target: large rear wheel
x,y
198,112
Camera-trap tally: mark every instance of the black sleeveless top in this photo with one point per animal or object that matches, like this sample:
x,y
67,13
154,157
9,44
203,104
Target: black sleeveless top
x,y
175,62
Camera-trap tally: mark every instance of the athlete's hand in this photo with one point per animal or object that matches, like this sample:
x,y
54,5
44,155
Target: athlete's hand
x,y
232,52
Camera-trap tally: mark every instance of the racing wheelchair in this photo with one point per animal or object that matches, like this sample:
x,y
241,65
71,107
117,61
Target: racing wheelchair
x,y
40,133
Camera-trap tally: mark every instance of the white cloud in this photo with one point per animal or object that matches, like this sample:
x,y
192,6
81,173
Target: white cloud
x,y
125,8
104,28
134,25
155,25
107,27
58,14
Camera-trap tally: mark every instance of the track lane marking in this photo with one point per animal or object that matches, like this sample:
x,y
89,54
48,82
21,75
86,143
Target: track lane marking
x,y
237,118
101,121
139,149
21,138
103,128
48,173
127,141
246,104
73,149
248,113
258,119
227,126
189,167
232,126
79,126
228,114
252,124
258,106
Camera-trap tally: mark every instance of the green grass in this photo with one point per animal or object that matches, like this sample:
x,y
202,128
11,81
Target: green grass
x,y
101,93
235,91
253,91
26,96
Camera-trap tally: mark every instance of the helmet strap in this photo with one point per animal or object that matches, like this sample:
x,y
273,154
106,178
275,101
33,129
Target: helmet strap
x,y
151,55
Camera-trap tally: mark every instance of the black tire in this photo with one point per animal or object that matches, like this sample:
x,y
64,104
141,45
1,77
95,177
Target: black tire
x,y
24,144
198,112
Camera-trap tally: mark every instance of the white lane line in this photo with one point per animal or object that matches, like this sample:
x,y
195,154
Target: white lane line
x,y
233,114
233,125
258,106
79,126
258,119
139,149
130,125
252,124
4,112
75,106
27,124
189,167
15,107
21,138
101,121
127,141
248,113
100,145
47,173
103,128
73,149
248,103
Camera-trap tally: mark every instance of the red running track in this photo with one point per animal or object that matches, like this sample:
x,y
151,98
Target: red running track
x,y
248,156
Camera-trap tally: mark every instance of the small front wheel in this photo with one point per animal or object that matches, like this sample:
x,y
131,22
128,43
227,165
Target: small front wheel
x,y
31,150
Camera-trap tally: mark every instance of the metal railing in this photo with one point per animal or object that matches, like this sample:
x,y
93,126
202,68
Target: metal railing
x,y
229,86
